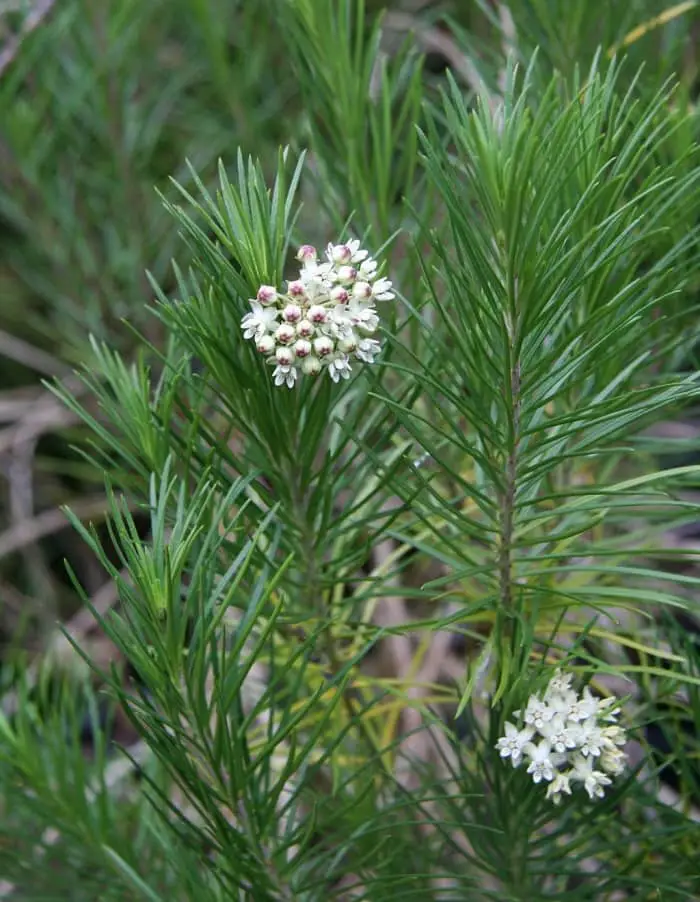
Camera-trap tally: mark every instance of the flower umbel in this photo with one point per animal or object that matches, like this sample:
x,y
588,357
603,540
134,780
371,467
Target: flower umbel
x,y
324,318
566,739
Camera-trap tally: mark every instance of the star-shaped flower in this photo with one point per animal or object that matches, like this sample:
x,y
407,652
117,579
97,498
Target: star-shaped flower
x,y
594,781
259,321
511,745
541,765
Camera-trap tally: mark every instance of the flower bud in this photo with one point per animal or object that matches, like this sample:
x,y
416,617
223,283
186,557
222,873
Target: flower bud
x,y
362,290
305,329
296,288
339,294
267,294
347,345
285,334
284,356
266,344
341,253
306,253
323,346
317,314
311,366
347,273
291,313
302,348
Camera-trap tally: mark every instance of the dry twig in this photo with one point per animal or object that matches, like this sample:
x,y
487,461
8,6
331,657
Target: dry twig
x,y
35,17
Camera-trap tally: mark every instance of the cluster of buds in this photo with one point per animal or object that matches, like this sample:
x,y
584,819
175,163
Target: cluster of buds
x,y
567,739
324,318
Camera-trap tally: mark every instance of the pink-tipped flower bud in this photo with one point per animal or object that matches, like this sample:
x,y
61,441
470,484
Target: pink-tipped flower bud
x,y
302,348
267,294
362,290
311,366
317,313
305,329
347,345
291,313
285,334
347,273
296,289
306,253
323,346
341,253
339,294
265,344
284,356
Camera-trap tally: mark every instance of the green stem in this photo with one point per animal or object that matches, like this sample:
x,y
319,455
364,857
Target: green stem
x,y
505,562
313,588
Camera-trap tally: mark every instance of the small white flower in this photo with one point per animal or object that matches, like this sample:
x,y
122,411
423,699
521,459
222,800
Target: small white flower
x,y
338,323
368,269
259,321
511,745
541,766
285,375
589,738
339,368
561,702
559,684
583,708
317,281
560,784
559,733
368,349
362,315
594,781
537,712
357,254
382,290
316,314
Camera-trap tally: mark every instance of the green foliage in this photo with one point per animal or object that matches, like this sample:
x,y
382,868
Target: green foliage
x,y
494,475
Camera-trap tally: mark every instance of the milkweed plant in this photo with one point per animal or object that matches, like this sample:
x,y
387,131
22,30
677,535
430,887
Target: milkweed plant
x,y
391,515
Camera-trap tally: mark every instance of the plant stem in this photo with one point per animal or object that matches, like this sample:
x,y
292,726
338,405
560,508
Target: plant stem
x,y
312,586
505,563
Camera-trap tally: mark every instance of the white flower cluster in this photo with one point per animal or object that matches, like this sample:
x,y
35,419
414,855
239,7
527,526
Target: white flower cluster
x,y
323,318
566,738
